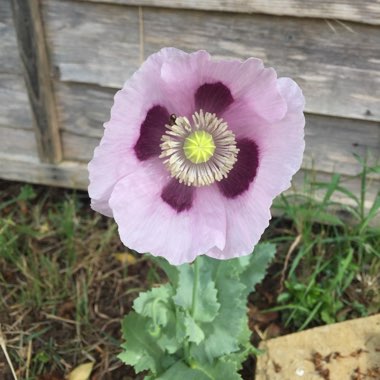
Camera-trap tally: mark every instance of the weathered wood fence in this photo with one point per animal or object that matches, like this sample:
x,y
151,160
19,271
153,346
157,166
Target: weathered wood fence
x,y
61,62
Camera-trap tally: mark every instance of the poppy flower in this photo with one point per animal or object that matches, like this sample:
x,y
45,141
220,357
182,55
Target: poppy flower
x,y
194,153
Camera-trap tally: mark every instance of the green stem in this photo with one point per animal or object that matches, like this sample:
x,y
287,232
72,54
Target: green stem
x,y
195,288
186,349
154,312
193,307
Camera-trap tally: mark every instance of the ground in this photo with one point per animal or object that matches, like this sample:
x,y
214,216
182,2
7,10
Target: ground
x,y
66,280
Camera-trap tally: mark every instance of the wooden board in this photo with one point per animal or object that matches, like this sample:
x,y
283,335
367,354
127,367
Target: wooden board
x,y
36,69
337,66
14,104
330,142
366,11
302,185
92,43
17,143
65,174
83,109
330,145
77,147
9,59
338,71
75,175
94,47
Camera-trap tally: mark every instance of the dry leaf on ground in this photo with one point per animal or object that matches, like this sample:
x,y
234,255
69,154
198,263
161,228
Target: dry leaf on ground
x,y
82,372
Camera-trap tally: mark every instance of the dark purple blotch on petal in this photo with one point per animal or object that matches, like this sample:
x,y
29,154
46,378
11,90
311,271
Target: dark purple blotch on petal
x,y
178,196
151,131
244,170
213,97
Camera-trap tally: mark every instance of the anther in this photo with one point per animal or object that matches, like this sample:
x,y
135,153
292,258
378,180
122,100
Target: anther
x,y
198,153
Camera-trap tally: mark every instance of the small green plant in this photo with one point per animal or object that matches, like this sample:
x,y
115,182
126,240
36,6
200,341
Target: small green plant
x,y
331,255
315,301
195,326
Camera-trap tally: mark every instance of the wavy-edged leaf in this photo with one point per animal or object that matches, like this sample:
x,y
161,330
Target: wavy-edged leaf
x,y
258,264
206,300
193,331
173,334
206,371
156,304
223,370
223,332
141,349
181,371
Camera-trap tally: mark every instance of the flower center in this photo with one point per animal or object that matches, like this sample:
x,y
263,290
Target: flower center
x,y
199,147
201,152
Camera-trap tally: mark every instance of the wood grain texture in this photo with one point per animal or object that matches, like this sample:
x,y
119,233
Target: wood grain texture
x,y
330,142
75,175
338,71
9,58
64,174
330,145
36,68
78,148
301,186
83,109
97,45
14,103
338,68
18,143
365,11
92,43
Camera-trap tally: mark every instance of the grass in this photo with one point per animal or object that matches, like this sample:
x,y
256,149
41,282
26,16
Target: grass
x,y
62,290
66,280
331,270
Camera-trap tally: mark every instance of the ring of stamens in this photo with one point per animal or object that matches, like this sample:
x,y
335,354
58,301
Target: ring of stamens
x,y
201,152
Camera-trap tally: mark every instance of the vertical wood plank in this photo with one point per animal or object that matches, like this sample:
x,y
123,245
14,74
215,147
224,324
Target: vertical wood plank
x,y
33,53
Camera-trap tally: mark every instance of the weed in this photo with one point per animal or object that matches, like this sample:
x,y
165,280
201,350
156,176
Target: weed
x,y
333,273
